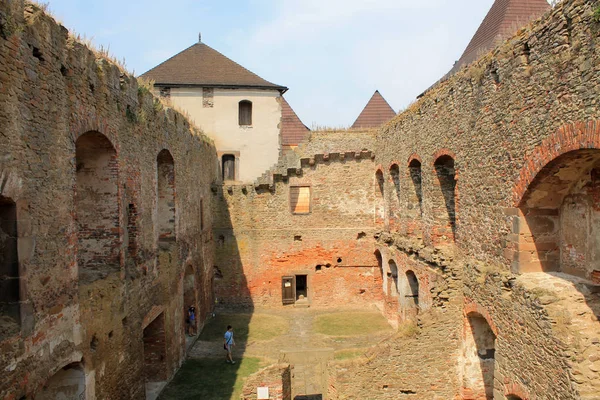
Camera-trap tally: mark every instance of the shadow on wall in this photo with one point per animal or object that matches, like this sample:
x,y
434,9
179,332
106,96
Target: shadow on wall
x,y
209,374
445,211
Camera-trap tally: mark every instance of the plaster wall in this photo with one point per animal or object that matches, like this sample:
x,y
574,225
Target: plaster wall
x,y
258,145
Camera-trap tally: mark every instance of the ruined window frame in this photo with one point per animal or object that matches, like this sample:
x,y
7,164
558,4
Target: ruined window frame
x,y
310,193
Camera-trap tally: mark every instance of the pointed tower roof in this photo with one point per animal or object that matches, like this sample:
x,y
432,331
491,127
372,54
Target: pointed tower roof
x,y
376,113
504,18
201,65
293,131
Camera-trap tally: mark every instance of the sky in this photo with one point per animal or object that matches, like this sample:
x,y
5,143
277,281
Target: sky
x,y
331,54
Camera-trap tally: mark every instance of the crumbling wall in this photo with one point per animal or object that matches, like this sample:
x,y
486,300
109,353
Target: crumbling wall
x,y
259,239
55,94
501,121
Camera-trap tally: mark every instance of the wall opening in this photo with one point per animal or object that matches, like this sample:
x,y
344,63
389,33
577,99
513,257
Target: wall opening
x,y
97,207
66,384
444,207
479,358
415,198
301,287
155,350
300,199
395,194
9,269
245,113
228,167
379,182
393,282
379,198
413,290
513,397
165,167
558,222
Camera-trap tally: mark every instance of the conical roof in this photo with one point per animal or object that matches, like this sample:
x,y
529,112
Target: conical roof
x,y
201,65
504,18
376,113
293,131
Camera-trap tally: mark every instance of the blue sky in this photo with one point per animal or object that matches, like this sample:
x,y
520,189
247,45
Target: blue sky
x,y
331,54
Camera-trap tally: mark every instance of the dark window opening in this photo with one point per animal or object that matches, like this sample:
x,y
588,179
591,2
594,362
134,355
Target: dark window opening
x,y
395,174
301,287
393,282
445,208
379,180
413,284
228,166
245,113
9,269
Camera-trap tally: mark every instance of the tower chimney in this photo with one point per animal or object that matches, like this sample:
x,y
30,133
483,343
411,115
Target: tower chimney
x,y
199,37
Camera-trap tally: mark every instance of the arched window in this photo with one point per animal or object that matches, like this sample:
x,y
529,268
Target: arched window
x,y
393,282
97,207
379,182
165,166
228,167
245,113
444,202
413,285
394,198
9,269
415,201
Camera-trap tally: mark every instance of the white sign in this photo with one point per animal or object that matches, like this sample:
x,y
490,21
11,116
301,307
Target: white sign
x,y
262,393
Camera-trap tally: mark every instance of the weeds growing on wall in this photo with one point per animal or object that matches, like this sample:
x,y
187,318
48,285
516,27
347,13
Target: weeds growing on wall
x,y
596,16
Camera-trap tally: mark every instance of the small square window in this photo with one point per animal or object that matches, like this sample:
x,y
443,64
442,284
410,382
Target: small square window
x,y
300,199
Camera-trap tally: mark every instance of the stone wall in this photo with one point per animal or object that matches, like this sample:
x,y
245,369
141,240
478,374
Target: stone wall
x,y
260,240
506,157
79,166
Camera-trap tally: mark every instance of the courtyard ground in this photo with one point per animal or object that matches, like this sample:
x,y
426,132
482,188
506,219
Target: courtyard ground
x,y
260,338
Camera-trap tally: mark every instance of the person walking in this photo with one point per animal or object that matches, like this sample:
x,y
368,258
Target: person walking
x,y
228,343
191,321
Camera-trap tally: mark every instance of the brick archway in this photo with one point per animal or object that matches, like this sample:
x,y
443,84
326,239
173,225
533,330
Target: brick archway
x,y
570,137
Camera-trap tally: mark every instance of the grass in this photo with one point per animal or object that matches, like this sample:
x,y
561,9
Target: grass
x,y
246,327
210,379
350,324
348,354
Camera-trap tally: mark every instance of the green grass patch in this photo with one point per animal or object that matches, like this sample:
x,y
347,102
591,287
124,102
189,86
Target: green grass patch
x,y
348,354
210,379
246,327
351,324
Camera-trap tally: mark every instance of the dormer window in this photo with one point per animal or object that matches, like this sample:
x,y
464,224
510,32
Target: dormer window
x,y
245,113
